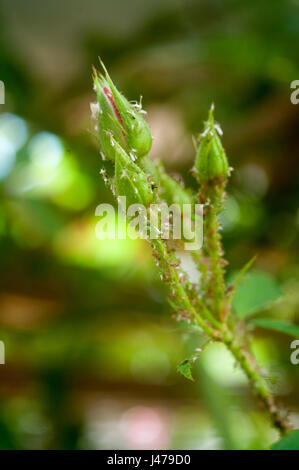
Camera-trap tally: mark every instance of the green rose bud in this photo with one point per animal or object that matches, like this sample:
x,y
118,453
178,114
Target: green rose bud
x,y
211,162
120,119
130,180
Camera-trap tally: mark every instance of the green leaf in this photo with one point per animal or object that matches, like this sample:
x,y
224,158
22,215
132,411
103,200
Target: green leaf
x,y
277,325
240,276
185,368
289,442
256,291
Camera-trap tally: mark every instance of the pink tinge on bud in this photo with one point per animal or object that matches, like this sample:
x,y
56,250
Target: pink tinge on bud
x,y
110,97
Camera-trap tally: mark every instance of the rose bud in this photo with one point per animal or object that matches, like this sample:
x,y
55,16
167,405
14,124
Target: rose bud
x,y
210,161
121,119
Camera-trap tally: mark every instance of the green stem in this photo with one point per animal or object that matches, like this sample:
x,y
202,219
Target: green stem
x,y
214,251
220,332
211,195
180,291
259,384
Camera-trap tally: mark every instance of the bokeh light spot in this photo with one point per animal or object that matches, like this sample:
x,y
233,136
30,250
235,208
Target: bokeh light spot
x,y
7,157
14,130
46,150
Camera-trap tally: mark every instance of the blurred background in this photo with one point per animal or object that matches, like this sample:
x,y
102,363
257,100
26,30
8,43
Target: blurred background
x,y
91,349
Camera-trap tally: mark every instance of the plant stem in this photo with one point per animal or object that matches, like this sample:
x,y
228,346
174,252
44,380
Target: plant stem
x,y
223,334
182,296
214,250
211,195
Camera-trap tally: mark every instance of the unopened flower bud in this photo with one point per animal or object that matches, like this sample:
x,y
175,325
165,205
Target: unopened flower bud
x,y
211,162
120,119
